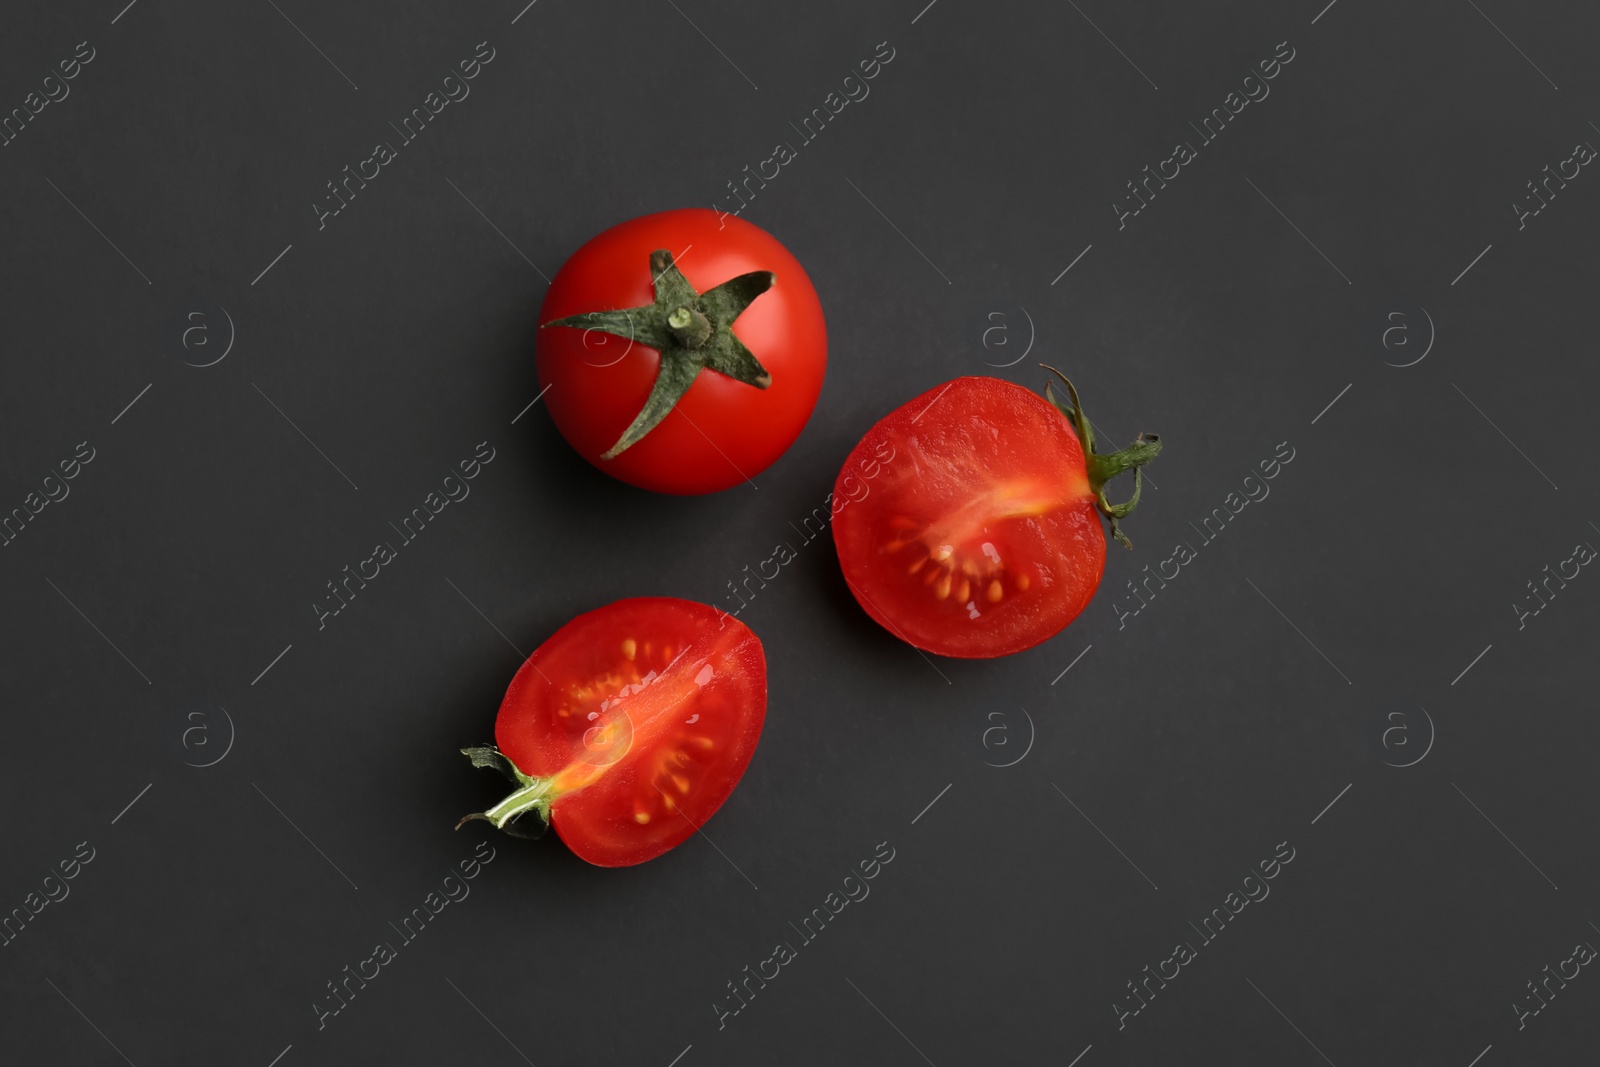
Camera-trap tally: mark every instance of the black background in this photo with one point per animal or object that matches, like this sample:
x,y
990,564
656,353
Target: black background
x,y
1191,738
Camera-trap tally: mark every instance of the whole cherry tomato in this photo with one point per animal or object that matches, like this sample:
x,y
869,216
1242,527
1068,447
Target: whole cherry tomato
x,y
982,536
628,728
683,351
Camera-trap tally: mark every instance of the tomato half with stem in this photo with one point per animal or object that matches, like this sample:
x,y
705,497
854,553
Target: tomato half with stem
x,y
628,728
683,351
982,536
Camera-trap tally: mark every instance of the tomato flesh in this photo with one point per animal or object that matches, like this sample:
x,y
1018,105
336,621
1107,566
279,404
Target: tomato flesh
x,y
642,716
980,536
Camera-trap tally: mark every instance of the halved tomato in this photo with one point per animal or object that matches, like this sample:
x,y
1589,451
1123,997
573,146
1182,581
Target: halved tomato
x,y
982,536
629,727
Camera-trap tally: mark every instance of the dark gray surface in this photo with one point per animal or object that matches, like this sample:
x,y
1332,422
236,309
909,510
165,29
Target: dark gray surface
x,y
1286,668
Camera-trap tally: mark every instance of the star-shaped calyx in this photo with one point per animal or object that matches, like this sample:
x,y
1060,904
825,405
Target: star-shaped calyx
x,y
691,331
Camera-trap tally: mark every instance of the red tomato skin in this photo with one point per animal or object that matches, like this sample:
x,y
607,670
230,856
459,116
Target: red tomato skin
x,y
950,446
722,432
597,822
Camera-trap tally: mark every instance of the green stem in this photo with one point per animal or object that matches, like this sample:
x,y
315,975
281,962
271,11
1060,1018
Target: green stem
x,y
534,796
531,794
689,326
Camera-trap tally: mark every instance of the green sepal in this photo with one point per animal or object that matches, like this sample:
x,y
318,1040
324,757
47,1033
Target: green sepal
x,y
494,759
727,301
679,368
732,358
672,288
1103,467
625,323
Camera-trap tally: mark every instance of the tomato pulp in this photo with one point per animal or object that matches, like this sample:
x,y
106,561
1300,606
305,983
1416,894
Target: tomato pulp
x,y
629,727
983,536
688,404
